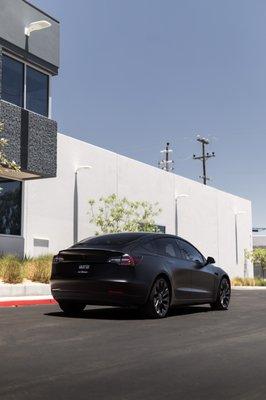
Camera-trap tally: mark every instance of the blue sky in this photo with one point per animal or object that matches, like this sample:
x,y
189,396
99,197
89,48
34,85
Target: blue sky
x,y
137,73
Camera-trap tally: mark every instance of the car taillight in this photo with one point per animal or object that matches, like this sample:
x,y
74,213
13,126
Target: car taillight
x,y
58,258
125,260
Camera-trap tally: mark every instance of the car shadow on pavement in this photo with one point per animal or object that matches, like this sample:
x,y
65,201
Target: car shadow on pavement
x,y
116,313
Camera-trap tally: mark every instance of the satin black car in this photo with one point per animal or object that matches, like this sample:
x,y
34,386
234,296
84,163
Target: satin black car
x,y
147,270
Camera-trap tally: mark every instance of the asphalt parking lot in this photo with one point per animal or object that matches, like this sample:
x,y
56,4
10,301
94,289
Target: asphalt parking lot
x,y
110,353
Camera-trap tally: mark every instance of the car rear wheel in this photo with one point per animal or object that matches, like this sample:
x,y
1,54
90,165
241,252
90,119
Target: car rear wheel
x,y
223,296
159,300
71,308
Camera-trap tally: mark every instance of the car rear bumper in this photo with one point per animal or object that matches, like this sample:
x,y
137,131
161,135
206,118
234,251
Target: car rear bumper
x,y
100,292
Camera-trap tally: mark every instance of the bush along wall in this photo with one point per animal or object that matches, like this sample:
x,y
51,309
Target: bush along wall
x,y
16,270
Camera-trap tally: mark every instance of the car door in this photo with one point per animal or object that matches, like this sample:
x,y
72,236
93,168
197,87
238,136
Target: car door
x,y
179,271
202,278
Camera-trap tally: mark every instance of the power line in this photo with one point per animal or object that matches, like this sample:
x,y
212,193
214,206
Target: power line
x,y
204,157
166,164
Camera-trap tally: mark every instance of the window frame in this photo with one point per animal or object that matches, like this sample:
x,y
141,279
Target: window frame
x,y
27,64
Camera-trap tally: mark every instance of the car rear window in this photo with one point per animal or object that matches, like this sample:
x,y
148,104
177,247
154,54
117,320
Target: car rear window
x,y
108,240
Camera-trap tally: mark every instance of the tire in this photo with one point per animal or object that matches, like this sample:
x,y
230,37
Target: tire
x,y
71,308
158,303
223,296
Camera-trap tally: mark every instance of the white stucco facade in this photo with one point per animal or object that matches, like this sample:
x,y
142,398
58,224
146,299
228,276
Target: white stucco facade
x,y
259,241
218,223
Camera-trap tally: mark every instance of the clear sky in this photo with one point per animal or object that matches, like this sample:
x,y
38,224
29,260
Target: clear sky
x,y
137,73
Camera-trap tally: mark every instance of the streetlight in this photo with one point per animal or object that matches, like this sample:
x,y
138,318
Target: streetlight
x,y
36,26
176,211
236,232
76,208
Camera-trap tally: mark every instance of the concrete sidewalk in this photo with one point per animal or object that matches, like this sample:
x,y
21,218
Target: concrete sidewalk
x,y
24,289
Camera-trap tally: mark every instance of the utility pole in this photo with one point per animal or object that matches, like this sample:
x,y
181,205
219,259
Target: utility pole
x,y
166,164
204,157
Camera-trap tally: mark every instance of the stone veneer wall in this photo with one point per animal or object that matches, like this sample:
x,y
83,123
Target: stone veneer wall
x,y
32,138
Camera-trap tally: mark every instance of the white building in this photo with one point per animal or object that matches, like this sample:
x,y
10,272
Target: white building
x,y
259,241
218,223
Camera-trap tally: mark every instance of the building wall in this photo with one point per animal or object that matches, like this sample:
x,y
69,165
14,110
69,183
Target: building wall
x,y
259,241
206,216
32,138
12,244
42,48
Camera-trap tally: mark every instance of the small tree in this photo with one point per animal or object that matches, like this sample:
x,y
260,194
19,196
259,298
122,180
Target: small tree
x,y
121,215
258,256
4,162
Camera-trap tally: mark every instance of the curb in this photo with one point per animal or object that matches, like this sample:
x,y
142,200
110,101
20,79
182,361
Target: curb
x,y
23,301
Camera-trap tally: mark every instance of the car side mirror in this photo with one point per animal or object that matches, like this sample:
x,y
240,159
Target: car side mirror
x,y
210,260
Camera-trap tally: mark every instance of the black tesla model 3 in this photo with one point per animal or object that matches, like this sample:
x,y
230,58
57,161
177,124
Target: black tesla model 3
x,y
148,270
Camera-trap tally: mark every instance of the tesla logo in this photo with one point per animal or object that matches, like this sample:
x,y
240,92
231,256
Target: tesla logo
x,y
83,269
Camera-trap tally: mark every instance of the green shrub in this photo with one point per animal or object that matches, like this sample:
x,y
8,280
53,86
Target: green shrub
x,y
40,269
11,269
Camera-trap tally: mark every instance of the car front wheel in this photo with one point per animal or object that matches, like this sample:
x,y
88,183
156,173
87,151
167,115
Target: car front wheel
x,y
71,308
223,296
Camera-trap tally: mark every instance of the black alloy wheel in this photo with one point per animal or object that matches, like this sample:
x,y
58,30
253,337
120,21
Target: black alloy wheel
x,y
159,299
223,296
71,308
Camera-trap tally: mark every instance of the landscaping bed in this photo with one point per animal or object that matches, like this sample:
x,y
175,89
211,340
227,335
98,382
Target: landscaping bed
x,y
248,282
14,270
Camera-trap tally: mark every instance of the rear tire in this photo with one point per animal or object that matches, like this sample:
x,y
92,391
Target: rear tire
x,y
223,296
158,303
71,308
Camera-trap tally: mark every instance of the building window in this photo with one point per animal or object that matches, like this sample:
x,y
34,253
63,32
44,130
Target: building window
x,y
33,95
161,228
10,207
37,91
12,81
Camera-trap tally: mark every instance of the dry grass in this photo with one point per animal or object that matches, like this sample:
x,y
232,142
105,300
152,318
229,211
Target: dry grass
x,y
15,270
11,269
42,267
248,282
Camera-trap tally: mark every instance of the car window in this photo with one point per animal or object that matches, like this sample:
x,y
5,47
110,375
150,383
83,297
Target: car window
x,y
189,252
148,246
109,240
166,247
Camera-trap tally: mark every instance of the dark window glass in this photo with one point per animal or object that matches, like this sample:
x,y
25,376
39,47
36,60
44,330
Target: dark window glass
x,y
12,81
166,247
10,207
110,240
161,228
189,252
148,247
37,91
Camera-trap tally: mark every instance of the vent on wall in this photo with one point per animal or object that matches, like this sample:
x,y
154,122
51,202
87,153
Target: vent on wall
x,y
41,243
40,247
